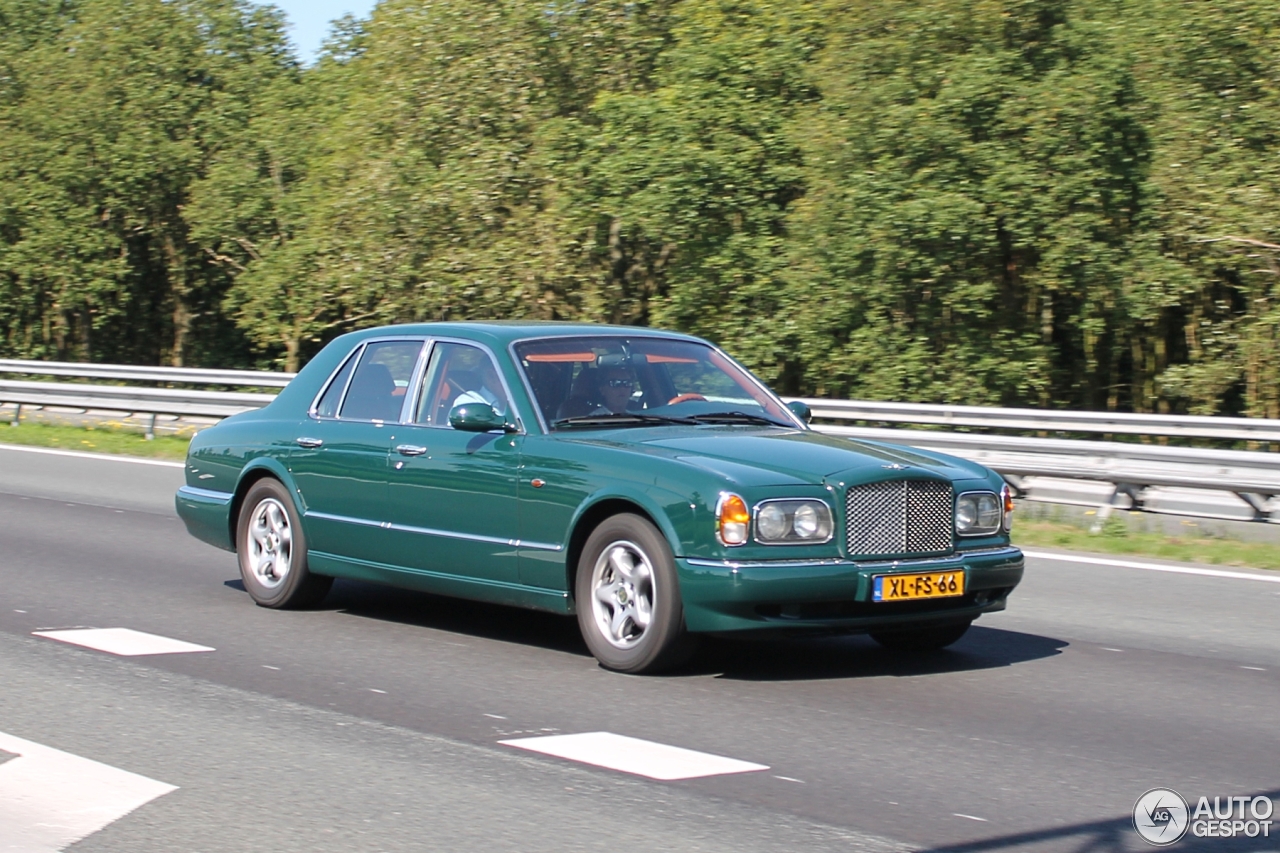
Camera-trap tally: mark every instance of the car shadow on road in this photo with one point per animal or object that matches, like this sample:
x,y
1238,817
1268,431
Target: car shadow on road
x,y
456,615
814,658
1116,835
796,658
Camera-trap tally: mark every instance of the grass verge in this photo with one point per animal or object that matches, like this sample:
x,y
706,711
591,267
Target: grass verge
x,y
103,439
1115,538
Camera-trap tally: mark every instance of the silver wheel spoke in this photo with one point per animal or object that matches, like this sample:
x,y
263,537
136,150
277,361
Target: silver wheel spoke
x,y
618,623
270,543
622,594
621,565
607,594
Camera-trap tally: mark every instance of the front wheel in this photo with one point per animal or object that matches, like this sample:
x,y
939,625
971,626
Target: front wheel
x,y
628,598
921,640
273,551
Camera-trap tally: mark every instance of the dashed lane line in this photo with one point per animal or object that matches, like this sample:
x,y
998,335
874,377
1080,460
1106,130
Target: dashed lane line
x,y
123,641
635,756
50,799
1152,567
80,454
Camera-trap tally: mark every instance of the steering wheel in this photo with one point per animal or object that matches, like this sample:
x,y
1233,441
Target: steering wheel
x,y
685,398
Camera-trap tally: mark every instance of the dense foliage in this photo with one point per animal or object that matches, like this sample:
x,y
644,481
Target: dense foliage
x,y
1067,203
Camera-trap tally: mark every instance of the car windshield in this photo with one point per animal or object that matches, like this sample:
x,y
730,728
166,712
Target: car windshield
x,y
613,381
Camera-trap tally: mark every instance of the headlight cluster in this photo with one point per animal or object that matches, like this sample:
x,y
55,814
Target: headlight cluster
x,y
795,521
979,514
777,522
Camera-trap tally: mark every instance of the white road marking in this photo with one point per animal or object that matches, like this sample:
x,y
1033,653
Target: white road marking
x,y
1254,668
376,690
269,666
1153,567
1106,649
123,641
164,463
495,716
789,779
632,755
50,799
969,816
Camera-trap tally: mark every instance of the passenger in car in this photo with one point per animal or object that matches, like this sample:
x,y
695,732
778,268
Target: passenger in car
x,y
488,390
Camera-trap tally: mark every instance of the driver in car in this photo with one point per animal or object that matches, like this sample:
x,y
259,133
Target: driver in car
x,y
615,386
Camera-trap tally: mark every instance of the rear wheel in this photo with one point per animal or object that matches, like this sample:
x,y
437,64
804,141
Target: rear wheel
x,y
921,640
628,598
273,550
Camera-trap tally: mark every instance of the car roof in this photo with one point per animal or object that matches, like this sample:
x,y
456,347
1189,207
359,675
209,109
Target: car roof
x,y
500,333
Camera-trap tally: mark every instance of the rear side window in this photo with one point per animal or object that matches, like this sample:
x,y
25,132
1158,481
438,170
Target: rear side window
x,y
381,381
328,405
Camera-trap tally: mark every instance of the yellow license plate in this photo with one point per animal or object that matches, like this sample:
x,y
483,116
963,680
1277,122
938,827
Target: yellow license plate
x,y
915,586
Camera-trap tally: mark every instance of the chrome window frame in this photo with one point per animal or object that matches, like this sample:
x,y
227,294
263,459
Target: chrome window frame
x,y
358,353
420,375
537,409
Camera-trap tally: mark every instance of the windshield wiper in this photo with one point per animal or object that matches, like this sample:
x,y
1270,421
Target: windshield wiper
x,y
735,418
622,419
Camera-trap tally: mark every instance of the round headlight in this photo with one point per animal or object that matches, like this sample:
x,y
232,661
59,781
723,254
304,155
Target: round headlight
x,y
805,523
771,523
966,513
989,512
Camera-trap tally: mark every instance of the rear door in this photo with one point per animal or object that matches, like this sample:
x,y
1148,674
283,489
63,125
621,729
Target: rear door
x,y
340,460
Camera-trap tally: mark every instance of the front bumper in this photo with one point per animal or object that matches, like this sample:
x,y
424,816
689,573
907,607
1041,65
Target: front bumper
x,y
729,596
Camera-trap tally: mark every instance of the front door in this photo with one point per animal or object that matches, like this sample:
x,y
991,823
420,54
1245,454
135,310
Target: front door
x,y
452,494
340,462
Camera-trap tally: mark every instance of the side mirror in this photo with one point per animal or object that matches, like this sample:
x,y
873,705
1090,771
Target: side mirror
x,y
478,417
800,410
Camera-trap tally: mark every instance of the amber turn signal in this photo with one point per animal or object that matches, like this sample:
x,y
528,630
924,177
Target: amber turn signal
x,y
732,519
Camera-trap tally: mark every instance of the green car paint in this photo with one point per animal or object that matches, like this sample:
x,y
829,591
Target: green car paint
x,y
501,516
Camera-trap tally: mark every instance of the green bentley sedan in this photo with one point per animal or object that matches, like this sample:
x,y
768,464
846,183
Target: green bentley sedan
x,y
642,480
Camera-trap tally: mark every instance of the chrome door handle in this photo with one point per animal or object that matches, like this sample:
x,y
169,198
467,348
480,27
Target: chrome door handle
x,y
410,449
308,442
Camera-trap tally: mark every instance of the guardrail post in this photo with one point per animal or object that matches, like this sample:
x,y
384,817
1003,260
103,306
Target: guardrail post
x,y
151,427
17,415
1260,504
1129,490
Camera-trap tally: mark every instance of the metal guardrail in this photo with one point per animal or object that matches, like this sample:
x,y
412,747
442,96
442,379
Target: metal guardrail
x,y
144,373
1039,420
134,399
1130,468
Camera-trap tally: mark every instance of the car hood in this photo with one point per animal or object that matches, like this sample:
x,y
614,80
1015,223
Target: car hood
x,y
793,457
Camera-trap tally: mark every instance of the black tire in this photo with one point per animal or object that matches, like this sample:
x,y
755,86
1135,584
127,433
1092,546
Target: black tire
x,y
662,642
921,640
289,585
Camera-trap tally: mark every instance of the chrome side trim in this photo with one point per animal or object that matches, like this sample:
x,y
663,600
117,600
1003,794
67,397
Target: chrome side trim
x,y
430,531
205,494
345,519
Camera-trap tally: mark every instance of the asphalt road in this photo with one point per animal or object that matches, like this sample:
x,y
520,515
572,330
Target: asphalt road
x,y
374,722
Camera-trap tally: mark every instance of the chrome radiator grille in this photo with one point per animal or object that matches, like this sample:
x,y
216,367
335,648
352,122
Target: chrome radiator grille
x,y
899,517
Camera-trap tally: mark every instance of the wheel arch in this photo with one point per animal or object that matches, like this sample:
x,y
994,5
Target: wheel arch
x,y
593,515
262,468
